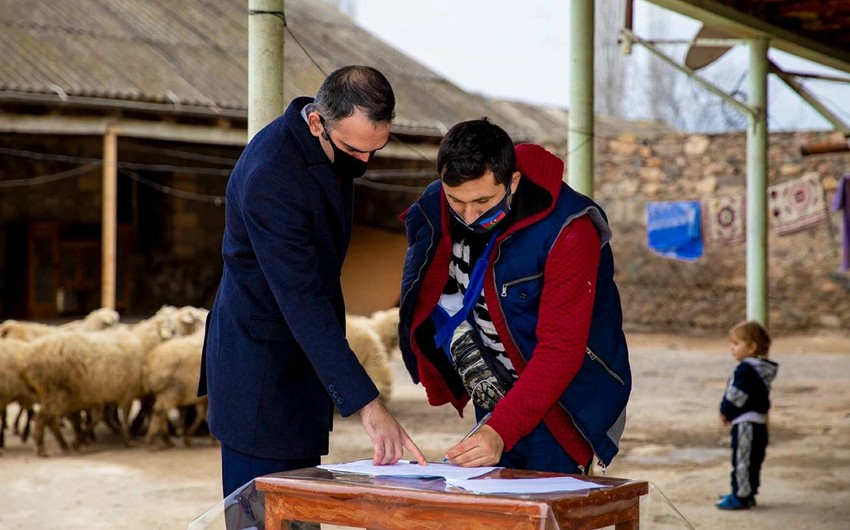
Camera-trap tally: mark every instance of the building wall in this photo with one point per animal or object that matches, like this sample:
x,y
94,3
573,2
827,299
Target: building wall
x,y
50,194
806,288
181,262
173,227
371,277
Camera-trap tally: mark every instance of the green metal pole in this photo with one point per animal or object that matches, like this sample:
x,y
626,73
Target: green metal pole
x,y
757,279
265,63
580,136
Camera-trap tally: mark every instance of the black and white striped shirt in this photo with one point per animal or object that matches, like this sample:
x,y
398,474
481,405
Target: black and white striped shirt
x,y
466,249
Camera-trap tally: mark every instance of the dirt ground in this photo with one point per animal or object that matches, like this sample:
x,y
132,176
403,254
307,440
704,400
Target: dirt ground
x,y
673,439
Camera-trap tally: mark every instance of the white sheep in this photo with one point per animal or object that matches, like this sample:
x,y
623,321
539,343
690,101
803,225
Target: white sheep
x,y
81,370
385,323
12,387
188,320
170,374
371,353
98,319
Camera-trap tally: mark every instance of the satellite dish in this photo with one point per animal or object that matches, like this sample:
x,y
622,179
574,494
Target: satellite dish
x,y
700,56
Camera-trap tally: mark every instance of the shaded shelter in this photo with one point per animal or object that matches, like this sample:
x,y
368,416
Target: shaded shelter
x,y
811,30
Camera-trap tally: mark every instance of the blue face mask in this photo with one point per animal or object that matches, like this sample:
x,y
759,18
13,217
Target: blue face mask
x,y
489,219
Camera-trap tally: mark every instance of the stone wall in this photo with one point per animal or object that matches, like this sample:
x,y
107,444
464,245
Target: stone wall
x,y
806,288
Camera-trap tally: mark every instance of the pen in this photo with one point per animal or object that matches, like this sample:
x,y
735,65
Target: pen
x,y
474,429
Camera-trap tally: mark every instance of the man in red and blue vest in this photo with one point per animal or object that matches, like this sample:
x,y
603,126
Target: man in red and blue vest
x,y
542,311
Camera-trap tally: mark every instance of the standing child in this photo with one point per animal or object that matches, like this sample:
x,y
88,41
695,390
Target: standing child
x,y
745,407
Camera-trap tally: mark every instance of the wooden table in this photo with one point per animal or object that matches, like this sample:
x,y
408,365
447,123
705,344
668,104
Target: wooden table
x,y
317,495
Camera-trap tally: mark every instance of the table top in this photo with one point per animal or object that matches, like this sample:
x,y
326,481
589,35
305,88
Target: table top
x,y
353,486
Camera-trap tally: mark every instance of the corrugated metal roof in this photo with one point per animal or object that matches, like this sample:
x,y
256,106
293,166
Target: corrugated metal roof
x,y
194,53
190,51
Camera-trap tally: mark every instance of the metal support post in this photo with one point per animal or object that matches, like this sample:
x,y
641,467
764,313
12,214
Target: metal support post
x,y
757,279
580,137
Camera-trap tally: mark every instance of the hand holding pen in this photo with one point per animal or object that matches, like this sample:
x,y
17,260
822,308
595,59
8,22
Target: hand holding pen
x,y
478,425
485,450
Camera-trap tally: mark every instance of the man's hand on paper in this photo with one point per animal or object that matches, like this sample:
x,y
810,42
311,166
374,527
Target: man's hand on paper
x,y
388,437
484,448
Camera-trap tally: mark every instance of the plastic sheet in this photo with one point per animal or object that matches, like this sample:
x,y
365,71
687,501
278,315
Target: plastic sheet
x,y
244,509
658,513
367,505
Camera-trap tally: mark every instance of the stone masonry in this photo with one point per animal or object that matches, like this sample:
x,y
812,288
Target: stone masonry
x,y
806,288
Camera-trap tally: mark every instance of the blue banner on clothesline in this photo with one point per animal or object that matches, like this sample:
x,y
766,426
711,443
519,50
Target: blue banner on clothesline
x,y
673,229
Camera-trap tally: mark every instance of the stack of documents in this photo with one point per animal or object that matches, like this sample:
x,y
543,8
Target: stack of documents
x,y
464,477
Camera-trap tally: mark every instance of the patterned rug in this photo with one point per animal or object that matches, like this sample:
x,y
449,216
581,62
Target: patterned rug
x,y
796,204
725,219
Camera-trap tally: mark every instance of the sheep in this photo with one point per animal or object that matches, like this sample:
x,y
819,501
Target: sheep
x,y
98,319
81,370
188,320
385,323
370,351
12,387
170,374
171,369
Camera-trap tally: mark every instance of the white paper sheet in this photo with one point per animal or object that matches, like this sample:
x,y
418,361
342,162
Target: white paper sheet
x,y
403,468
524,485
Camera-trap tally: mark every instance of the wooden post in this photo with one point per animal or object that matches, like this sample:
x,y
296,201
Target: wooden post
x,y
109,220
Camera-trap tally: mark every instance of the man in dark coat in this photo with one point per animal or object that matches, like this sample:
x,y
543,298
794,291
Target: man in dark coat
x,y
276,361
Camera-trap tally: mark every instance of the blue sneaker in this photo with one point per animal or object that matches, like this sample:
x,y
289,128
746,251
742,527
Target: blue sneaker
x,y
750,500
731,502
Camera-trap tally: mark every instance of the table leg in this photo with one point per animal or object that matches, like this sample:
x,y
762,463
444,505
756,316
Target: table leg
x,y
633,522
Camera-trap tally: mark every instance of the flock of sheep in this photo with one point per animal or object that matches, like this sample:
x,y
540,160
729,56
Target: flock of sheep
x,y
100,369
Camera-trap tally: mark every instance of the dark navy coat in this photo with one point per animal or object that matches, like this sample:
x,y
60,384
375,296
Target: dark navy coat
x,y
276,361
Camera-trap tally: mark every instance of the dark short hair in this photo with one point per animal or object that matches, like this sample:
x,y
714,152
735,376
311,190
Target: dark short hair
x,y
472,147
353,88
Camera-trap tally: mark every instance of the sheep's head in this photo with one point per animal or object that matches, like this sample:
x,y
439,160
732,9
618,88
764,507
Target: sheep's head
x,y
190,319
7,328
104,317
165,310
109,317
166,329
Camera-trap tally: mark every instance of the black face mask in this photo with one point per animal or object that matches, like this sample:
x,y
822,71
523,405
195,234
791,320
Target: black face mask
x,y
344,164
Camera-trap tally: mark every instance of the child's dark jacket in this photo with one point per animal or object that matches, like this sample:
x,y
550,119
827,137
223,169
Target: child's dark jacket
x,y
749,388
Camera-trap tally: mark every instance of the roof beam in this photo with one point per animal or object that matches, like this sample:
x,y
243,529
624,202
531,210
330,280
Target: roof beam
x,y
156,130
198,134
730,20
